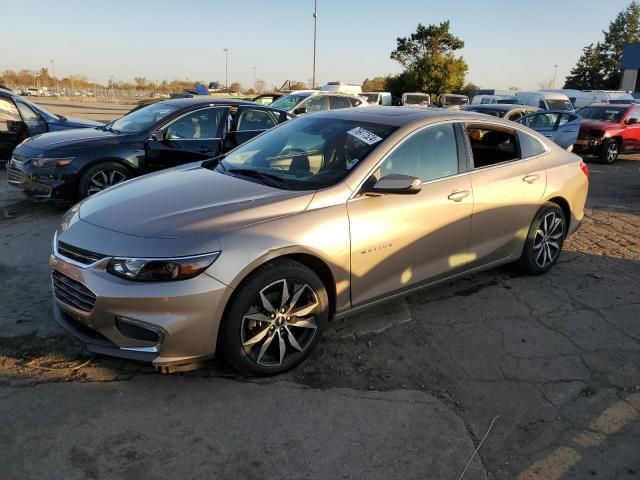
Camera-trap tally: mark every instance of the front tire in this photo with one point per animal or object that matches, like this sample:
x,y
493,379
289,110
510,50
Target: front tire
x,y
544,240
610,151
102,176
275,319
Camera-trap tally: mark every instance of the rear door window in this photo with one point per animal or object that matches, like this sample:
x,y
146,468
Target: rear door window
x,y
337,103
251,120
492,145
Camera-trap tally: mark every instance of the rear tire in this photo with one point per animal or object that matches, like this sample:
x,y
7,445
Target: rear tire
x,y
544,241
102,176
610,151
275,319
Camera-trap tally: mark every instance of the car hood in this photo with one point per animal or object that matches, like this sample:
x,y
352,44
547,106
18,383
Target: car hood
x,y
73,139
599,125
188,202
72,122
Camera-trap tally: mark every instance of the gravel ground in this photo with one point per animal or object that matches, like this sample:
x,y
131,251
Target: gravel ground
x,y
407,390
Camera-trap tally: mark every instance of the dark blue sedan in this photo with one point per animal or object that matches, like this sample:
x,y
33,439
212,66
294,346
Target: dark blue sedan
x,y
20,119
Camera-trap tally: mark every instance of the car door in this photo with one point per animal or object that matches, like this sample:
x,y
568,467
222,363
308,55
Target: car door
x,y
192,136
32,119
631,131
542,122
250,121
567,129
12,128
507,189
401,241
336,102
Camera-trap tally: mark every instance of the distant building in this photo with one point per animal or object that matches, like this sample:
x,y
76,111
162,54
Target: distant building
x,y
630,65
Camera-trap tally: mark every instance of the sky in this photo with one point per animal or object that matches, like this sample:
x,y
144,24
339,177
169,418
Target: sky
x,y
507,42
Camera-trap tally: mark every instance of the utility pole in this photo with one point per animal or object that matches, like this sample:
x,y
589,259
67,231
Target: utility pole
x,y
254,76
315,41
555,74
226,67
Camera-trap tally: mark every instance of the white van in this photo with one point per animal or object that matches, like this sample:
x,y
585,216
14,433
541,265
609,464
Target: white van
x,y
452,101
377,98
341,88
545,100
416,98
582,98
493,99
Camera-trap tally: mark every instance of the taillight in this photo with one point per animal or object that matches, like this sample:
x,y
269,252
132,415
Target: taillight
x,y
584,168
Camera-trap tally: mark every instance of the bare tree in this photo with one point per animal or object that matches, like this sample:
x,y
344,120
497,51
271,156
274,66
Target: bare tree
x,y
545,84
259,85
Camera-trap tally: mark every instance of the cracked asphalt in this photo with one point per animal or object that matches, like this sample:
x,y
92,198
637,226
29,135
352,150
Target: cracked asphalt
x,y
407,390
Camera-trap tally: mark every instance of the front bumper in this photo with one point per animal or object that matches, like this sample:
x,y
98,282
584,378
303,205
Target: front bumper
x,y
42,183
185,314
588,146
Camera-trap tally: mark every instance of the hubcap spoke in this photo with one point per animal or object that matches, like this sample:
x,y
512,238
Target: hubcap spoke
x,y
285,294
265,345
292,340
266,303
255,339
282,346
305,311
304,323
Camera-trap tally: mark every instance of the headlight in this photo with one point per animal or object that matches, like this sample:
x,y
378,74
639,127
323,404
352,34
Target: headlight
x,y
50,162
160,269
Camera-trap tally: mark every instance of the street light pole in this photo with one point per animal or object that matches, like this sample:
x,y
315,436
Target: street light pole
x,y
254,76
226,67
555,74
315,40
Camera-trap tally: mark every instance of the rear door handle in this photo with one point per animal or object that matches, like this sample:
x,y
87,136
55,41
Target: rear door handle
x,y
458,195
531,178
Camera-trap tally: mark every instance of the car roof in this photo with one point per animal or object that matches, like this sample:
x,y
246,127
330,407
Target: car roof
x,y
400,116
204,99
609,105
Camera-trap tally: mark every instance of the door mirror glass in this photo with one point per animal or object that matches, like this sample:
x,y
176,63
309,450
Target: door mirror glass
x,y
398,184
158,135
632,121
300,110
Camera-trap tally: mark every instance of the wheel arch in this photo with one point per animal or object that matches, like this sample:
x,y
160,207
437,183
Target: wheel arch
x,y
98,161
564,205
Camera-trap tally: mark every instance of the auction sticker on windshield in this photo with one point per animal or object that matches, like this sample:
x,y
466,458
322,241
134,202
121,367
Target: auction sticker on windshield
x,y
365,135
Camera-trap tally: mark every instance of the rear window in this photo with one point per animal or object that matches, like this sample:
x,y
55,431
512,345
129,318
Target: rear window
x,y
559,105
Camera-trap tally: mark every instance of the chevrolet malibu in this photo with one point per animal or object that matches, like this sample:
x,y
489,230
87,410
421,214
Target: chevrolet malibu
x,y
251,254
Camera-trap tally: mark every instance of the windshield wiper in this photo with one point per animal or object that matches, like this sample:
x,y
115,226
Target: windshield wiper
x,y
267,178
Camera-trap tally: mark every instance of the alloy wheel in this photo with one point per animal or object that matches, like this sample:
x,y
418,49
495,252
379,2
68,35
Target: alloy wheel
x,y
280,325
547,241
104,179
612,152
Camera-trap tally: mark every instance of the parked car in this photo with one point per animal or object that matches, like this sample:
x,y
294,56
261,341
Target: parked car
x,y
20,119
267,98
32,92
378,98
608,130
493,99
309,101
545,100
318,218
507,111
416,98
560,126
450,100
583,98
79,163
340,87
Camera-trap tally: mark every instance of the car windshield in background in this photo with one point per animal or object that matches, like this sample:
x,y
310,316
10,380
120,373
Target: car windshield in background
x,y
559,105
305,154
143,118
456,101
623,101
371,97
506,101
288,102
605,114
488,111
416,100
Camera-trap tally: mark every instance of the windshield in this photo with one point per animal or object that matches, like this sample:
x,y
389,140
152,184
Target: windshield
x,y
456,100
143,118
605,114
622,101
307,153
289,102
489,111
417,100
559,105
506,101
371,97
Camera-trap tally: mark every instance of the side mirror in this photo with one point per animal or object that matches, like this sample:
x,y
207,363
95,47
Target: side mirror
x,y
632,121
158,135
398,184
300,110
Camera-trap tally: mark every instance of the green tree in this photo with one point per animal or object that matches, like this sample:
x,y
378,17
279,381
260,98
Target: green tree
x,y
625,28
469,90
588,72
429,61
376,84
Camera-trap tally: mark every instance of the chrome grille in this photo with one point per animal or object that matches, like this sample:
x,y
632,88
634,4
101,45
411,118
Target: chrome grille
x,y
72,293
80,255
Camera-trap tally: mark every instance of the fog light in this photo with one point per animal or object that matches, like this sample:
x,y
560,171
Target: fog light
x,y
138,330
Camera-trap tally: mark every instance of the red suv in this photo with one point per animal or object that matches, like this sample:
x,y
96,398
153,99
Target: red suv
x,y
608,130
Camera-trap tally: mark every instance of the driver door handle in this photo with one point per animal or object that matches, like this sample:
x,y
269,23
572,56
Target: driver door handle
x,y
459,195
531,178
